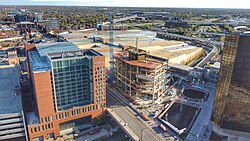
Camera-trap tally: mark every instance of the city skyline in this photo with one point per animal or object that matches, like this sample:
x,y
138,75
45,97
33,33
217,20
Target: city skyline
x,y
241,4
124,70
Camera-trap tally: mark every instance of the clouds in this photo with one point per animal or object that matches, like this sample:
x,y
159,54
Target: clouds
x,y
137,3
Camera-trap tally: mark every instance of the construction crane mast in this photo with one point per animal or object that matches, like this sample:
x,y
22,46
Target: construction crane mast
x,y
111,50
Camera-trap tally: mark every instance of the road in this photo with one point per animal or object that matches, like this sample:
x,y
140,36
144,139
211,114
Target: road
x,y
122,110
210,33
125,18
159,30
208,57
220,24
195,62
214,44
196,132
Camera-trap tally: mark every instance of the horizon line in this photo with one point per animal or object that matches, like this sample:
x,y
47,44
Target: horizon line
x,y
52,5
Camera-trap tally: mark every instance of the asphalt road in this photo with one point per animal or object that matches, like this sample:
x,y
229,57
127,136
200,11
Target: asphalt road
x,y
208,57
213,43
159,30
121,109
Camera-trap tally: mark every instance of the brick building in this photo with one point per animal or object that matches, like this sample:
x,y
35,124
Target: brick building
x,y
69,88
24,27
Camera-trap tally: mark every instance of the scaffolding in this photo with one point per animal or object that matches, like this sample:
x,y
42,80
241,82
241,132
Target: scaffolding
x,y
140,76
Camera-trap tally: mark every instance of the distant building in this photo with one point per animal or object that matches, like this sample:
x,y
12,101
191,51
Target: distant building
x,y
12,123
22,18
3,54
69,88
36,17
140,75
25,16
114,27
24,27
8,20
8,33
14,13
140,18
232,100
13,58
52,24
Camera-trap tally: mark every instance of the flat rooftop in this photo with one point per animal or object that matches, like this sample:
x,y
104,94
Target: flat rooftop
x,y
25,22
147,62
175,51
73,54
10,93
56,50
126,38
36,63
45,48
38,58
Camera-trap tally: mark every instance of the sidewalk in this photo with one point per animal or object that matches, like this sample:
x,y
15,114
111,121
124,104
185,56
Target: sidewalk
x,y
231,134
134,110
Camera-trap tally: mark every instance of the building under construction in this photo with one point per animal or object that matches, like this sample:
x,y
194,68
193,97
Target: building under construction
x,y
140,75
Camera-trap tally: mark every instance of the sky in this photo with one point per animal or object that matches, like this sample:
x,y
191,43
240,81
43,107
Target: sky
x,y
245,4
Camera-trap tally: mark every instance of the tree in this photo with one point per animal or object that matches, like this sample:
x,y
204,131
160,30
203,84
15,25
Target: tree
x,y
180,30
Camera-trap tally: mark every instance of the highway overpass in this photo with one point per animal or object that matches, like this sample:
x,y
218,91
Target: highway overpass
x,y
234,24
208,57
209,33
177,37
214,44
